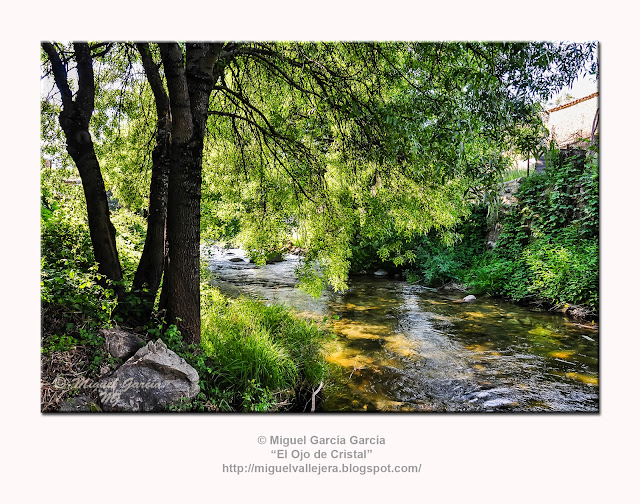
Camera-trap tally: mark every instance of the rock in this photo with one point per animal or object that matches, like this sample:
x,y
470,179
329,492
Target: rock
x,y
500,402
452,286
121,344
469,299
380,272
79,404
236,259
491,244
274,257
151,380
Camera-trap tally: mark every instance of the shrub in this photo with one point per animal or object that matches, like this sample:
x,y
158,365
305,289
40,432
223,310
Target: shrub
x,y
69,275
439,260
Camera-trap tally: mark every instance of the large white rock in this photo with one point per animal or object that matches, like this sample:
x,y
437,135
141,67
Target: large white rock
x,y
153,379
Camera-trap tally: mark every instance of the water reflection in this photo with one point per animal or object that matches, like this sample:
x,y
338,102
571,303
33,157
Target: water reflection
x,y
403,347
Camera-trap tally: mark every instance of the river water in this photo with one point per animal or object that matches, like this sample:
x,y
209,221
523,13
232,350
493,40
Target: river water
x,y
403,347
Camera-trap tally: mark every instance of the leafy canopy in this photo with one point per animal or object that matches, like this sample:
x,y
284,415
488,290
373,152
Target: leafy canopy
x,y
335,143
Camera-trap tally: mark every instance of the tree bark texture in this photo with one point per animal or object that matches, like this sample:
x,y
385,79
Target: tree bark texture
x,y
74,120
189,92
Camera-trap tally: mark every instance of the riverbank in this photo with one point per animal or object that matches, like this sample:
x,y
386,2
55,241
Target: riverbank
x,y
252,357
577,312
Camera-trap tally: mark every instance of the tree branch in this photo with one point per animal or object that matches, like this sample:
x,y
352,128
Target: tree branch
x,y
107,47
178,91
86,86
59,74
155,81
271,134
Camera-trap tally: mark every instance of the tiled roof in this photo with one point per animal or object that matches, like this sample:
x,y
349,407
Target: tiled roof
x,y
574,102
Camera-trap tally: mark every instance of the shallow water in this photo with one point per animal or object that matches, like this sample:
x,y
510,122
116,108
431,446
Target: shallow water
x,y
403,347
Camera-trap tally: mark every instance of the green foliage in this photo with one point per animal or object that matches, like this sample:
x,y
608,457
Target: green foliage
x,y
59,343
362,148
564,270
69,275
441,259
251,355
363,153
514,174
258,348
131,230
336,142
548,247
433,258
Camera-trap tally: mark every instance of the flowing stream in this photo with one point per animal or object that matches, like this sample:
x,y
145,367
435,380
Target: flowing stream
x,y
403,347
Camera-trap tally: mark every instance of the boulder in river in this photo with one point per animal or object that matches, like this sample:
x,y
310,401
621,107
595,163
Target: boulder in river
x,y
380,272
152,380
236,259
467,299
274,257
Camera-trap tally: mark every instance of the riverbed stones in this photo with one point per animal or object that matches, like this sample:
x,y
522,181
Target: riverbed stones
x,y
152,380
380,272
121,344
236,259
469,299
499,402
453,286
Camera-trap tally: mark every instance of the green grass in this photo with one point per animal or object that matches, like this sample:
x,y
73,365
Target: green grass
x,y
252,356
515,173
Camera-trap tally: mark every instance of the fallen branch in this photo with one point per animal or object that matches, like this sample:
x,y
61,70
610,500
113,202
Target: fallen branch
x,y
313,397
354,368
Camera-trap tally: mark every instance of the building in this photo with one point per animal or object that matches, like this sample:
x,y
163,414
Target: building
x,y
572,122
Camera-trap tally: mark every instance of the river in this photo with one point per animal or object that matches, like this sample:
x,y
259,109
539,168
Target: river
x,y
404,347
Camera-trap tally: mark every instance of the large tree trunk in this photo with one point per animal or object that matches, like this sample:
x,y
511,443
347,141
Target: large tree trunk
x,y
149,273
74,120
182,278
189,92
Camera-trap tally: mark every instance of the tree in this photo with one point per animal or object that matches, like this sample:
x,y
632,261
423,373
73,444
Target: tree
x,y
340,140
74,120
155,253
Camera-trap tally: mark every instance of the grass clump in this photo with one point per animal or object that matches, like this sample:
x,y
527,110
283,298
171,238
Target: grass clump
x,y
252,356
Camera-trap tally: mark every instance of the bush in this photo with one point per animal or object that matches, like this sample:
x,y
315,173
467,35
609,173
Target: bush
x,y
565,271
69,275
439,261
548,248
